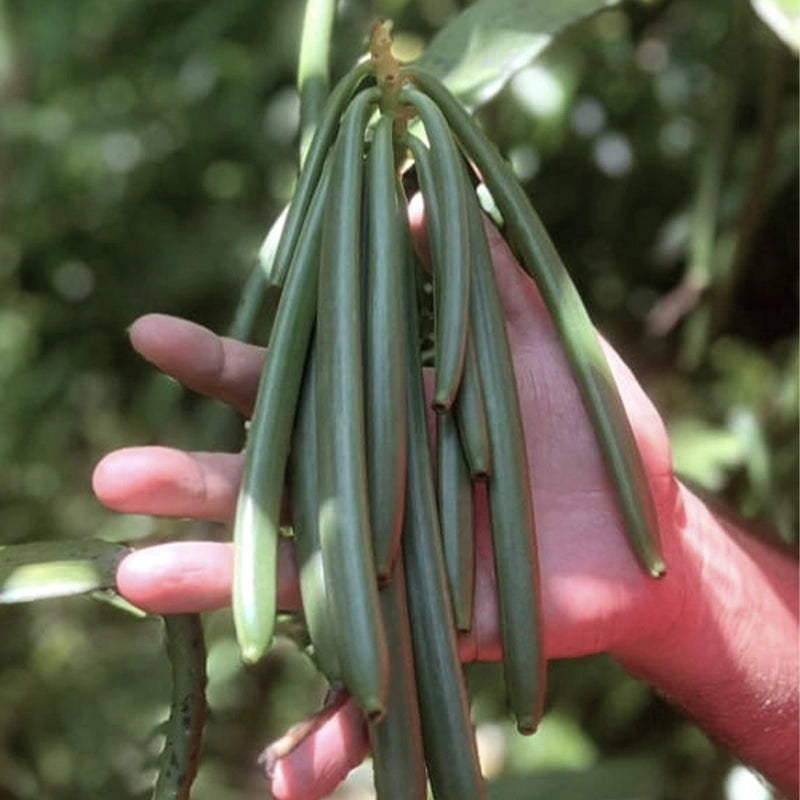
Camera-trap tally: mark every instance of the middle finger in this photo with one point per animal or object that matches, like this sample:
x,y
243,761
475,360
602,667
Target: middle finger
x,y
166,482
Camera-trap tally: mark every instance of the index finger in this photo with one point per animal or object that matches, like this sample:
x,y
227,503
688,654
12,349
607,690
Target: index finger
x,y
212,365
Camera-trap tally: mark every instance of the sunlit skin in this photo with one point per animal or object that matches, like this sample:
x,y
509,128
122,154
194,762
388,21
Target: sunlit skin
x,y
718,635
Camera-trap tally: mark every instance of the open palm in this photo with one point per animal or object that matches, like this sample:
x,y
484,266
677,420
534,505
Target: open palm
x,y
595,596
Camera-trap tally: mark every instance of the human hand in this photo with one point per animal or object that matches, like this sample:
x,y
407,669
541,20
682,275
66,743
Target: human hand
x,y
595,596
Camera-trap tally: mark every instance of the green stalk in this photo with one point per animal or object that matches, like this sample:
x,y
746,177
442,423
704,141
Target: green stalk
x,y
184,730
313,80
57,568
313,85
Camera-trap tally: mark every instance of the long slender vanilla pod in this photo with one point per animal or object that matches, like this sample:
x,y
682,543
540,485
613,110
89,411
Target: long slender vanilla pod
x,y
257,522
450,750
305,525
324,137
509,490
469,404
450,256
344,523
538,255
396,740
456,517
384,351
470,414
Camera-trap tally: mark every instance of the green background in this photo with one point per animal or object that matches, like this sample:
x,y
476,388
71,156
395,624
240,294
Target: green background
x,y
145,148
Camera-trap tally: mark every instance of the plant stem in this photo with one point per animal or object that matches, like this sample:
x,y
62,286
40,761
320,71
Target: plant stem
x,y
313,79
760,185
313,84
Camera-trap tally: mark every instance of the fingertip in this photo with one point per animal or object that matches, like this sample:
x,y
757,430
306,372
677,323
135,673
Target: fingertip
x,y
98,474
103,483
159,338
142,327
126,480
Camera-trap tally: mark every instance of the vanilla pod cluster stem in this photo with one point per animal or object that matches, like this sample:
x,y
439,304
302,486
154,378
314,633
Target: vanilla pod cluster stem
x,y
386,551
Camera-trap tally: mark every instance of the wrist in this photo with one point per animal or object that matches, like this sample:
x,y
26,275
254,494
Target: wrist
x,y
727,654
714,595
673,612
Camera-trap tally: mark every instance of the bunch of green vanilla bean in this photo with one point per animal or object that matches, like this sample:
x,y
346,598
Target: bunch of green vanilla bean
x,y
385,547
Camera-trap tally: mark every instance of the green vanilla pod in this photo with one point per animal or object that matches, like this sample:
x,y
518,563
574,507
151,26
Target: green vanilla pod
x,y
469,405
450,751
538,255
396,740
456,517
470,415
314,160
306,527
385,373
257,522
344,523
509,491
450,256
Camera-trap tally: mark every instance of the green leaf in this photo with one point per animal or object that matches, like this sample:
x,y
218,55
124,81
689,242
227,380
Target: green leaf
x,y
783,16
481,48
703,453
41,570
111,598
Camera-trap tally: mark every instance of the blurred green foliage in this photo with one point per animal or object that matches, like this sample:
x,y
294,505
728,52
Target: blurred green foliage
x,y
144,149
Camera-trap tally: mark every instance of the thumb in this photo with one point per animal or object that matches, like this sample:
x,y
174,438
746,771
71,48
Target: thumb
x,y
522,303
518,293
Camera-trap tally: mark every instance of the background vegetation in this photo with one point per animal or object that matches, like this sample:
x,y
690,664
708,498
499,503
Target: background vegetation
x,y
144,149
